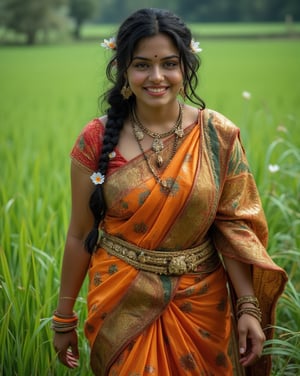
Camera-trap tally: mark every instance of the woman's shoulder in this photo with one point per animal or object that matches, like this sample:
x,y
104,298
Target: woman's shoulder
x,y
95,125
219,122
88,144
219,132
93,131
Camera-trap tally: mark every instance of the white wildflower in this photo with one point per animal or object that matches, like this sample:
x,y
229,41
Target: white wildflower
x,y
246,95
274,168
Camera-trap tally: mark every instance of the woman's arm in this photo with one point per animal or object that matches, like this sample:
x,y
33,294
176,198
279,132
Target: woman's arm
x,y
75,261
251,336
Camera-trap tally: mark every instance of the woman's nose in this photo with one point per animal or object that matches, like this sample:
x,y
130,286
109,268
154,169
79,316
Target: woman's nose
x,y
156,74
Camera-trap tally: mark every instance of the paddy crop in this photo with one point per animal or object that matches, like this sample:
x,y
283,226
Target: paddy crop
x,y
48,93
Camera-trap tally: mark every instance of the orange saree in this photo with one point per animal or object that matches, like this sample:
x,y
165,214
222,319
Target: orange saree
x,y
142,323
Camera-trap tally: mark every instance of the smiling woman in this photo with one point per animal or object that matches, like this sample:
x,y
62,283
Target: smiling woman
x,y
161,194
155,73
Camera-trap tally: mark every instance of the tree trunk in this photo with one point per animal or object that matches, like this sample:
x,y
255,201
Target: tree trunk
x,y
31,37
77,30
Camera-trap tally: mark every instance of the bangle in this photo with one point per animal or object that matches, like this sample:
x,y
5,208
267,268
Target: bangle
x,y
247,299
67,298
67,321
254,312
58,329
63,316
64,323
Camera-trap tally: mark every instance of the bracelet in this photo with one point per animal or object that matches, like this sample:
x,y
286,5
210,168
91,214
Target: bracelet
x,y
254,312
247,299
67,298
64,323
63,316
60,329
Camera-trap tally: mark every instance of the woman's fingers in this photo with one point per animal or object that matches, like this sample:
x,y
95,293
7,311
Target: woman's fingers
x,y
251,340
68,358
66,347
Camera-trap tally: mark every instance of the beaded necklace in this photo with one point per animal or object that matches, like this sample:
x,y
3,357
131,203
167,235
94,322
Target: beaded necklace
x,y
157,145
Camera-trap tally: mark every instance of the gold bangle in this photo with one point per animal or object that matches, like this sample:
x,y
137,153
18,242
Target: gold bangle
x,y
254,312
247,299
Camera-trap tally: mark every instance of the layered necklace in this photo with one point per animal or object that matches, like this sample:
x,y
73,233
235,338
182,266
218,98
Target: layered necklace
x,y
140,130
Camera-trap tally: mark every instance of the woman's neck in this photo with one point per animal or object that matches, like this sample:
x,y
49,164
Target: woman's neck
x,y
158,119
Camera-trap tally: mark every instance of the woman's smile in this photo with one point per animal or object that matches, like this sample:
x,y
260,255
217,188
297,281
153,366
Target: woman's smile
x,y
156,91
155,70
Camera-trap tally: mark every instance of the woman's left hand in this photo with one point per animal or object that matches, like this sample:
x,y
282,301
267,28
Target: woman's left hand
x,y
251,339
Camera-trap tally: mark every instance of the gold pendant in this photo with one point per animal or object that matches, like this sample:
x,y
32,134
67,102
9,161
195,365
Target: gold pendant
x,y
157,145
159,160
179,132
139,134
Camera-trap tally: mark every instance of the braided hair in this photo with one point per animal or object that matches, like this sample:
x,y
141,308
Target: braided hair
x,y
141,24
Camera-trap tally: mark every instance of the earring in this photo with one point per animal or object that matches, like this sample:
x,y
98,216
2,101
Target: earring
x,y
126,91
182,93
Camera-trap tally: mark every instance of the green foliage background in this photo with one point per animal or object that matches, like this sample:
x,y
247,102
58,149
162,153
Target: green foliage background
x,y
48,93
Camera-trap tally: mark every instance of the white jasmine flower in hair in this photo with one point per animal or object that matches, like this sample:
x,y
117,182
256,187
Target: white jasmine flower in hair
x,y
274,168
97,178
195,46
109,44
246,95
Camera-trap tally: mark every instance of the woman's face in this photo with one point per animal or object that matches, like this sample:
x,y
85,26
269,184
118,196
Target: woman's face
x,y
155,73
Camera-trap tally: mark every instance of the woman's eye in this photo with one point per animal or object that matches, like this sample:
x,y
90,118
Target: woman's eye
x,y
171,64
141,66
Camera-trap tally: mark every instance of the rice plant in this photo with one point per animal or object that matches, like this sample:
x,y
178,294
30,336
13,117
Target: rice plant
x,y
282,197
47,95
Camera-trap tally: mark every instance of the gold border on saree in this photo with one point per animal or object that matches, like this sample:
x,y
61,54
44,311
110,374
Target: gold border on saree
x,y
162,262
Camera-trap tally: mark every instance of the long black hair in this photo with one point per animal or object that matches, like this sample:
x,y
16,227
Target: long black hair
x,y
141,24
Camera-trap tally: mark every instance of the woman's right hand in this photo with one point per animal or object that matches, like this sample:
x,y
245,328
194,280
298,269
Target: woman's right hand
x,y
66,347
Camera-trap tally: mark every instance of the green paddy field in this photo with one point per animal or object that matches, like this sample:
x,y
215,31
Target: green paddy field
x,y
48,93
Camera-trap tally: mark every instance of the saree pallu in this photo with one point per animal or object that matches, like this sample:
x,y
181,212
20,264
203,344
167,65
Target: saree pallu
x,y
141,323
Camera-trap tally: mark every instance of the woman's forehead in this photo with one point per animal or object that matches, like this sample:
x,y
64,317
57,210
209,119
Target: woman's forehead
x,y
155,45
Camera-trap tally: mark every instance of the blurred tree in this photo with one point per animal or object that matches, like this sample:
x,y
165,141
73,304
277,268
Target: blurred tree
x,y
3,13
30,16
80,11
115,11
291,10
207,10
112,11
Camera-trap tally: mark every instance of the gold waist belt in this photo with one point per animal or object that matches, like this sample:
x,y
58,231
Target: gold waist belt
x,y
203,258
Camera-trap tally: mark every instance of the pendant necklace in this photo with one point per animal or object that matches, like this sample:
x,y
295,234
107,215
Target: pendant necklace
x,y
157,145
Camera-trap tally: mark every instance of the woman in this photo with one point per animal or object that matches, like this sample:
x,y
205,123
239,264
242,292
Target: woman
x,y
169,188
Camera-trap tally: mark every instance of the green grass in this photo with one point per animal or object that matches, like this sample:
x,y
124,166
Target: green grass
x,y
204,30
237,30
47,95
